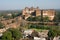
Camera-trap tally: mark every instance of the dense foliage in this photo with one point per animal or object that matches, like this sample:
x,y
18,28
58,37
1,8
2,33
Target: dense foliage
x,y
7,36
16,34
1,25
57,16
53,31
12,34
38,18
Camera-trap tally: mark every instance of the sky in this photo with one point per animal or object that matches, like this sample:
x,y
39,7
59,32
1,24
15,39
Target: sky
x,y
21,4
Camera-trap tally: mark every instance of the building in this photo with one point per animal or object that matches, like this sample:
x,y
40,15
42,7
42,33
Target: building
x,y
36,38
56,38
50,13
32,33
43,33
27,12
38,11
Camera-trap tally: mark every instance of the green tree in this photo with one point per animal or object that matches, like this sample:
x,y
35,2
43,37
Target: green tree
x,y
51,34
16,34
16,14
46,19
1,25
57,16
13,15
7,36
12,34
38,18
31,18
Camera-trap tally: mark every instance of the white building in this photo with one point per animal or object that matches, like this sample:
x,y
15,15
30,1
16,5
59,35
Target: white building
x,y
36,38
57,38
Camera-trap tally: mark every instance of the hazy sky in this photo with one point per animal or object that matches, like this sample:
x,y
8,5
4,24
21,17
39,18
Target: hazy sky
x,y
20,4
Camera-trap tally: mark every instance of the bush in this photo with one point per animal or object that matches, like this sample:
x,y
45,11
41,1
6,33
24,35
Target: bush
x,y
7,36
16,34
1,25
12,34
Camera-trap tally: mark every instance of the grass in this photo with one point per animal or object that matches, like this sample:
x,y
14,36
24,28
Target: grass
x,y
38,30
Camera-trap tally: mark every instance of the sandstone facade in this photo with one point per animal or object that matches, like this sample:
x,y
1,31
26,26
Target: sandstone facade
x,y
37,12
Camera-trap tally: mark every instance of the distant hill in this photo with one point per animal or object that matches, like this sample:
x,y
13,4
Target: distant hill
x,y
10,11
57,9
17,11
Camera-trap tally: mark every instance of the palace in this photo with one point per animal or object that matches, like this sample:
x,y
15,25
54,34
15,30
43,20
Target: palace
x,y
27,12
